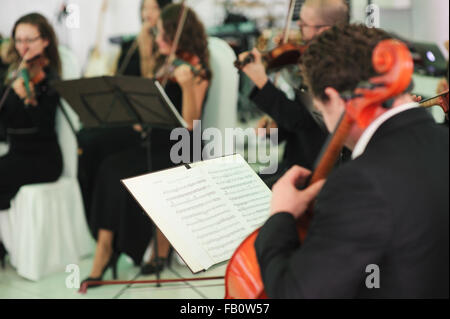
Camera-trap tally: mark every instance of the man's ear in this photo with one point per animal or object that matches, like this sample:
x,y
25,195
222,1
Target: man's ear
x,y
334,98
332,94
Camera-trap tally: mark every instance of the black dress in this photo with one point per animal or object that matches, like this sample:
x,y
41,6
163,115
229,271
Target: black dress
x,y
34,155
113,208
99,143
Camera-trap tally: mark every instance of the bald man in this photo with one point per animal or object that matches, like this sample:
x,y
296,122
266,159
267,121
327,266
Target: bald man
x,y
303,134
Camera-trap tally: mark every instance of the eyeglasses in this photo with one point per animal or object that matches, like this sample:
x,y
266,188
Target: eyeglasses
x,y
302,24
27,41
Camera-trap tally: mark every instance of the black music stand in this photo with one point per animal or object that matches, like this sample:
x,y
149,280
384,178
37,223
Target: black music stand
x,y
122,101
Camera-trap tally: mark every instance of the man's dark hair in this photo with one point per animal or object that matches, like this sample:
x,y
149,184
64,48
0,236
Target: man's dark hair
x,y
340,57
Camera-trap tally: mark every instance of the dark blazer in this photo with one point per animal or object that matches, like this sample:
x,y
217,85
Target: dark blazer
x,y
389,207
304,137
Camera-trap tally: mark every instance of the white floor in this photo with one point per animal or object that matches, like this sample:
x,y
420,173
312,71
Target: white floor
x,y
12,286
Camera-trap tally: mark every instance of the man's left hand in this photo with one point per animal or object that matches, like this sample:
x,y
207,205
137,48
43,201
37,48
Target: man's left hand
x,y
286,196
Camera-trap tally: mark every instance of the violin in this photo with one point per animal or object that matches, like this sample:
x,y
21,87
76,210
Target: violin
x,y
393,61
33,72
282,56
182,58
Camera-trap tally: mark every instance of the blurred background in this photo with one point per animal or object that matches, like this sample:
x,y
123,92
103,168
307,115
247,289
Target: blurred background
x,y
242,22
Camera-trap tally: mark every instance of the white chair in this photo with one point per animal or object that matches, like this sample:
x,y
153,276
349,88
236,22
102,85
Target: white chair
x,y
220,110
46,224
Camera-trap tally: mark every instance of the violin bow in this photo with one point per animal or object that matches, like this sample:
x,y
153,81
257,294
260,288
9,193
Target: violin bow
x,y
176,41
287,30
287,27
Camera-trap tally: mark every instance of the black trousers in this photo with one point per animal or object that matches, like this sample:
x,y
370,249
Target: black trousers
x,y
28,163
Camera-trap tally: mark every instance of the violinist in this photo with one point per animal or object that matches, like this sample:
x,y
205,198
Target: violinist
x,y
304,135
117,221
138,58
29,107
380,227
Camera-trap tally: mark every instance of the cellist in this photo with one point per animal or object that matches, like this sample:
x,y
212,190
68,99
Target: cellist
x,y
380,227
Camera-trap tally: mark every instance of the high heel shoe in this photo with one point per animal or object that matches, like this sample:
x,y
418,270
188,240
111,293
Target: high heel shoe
x,y
3,253
157,266
111,263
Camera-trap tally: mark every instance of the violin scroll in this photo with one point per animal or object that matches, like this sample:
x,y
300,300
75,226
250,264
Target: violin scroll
x,y
392,59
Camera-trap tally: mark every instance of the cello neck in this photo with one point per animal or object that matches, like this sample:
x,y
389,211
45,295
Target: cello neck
x,y
332,149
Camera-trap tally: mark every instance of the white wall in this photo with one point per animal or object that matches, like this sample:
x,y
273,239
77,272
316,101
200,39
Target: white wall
x,y
121,18
423,20
417,20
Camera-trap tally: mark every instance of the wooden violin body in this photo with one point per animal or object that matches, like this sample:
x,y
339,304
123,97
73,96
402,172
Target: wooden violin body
x,y
182,58
391,59
34,73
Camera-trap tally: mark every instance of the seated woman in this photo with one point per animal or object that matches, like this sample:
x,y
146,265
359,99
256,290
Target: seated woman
x,y
116,219
137,58
29,118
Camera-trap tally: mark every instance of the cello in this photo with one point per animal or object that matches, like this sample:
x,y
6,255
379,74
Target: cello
x,y
393,61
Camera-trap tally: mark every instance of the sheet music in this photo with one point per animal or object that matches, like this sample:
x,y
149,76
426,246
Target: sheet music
x,y
242,187
206,211
209,218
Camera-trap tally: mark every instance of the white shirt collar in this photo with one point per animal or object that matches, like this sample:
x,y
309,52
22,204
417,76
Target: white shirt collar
x,y
373,127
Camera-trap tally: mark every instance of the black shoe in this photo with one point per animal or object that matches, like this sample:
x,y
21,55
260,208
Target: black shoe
x,y
3,254
157,266
112,263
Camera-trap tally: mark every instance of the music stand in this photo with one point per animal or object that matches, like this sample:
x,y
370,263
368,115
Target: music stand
x,y
122,101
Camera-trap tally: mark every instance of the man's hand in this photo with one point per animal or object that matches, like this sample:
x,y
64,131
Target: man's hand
x,y
417,98
288,199
265,124
255,70
442,86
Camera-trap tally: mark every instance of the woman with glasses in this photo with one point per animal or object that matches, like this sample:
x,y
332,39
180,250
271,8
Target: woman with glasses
x,y
27,110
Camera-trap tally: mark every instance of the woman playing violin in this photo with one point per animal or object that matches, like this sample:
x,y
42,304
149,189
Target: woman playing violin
x,y
117,221
29,114
381,226
138,57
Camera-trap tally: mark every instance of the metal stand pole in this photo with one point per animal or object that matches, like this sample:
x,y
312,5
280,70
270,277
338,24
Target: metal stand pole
x,y
148,144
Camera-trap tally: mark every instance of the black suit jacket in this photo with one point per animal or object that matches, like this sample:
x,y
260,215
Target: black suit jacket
x,y
304,137
389,207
